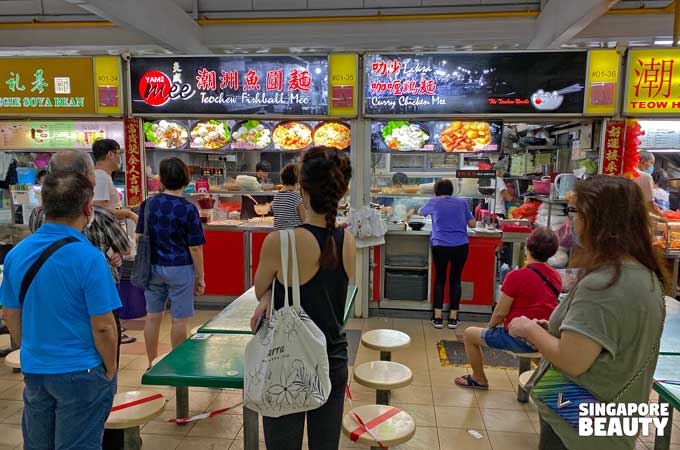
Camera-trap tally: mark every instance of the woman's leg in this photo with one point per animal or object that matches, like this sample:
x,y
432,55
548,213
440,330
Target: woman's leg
x,y
181,294
473,347
458,258
441,260
325,424
548,439
152,331
285,432
178,331
156,295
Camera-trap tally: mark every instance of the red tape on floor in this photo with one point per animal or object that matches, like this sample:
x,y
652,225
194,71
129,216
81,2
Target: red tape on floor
x,y
141,401
366,427
207,415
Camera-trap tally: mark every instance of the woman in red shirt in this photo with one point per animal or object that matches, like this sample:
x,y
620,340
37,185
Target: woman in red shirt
x,y
531,291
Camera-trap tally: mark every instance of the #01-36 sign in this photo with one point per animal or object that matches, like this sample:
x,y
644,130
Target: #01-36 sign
x,y
239,85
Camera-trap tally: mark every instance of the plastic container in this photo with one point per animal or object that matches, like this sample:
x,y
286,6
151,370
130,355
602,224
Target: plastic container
x,y
541,187
26,175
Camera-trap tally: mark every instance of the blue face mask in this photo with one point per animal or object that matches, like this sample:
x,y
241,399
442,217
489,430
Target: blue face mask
x,y
574,236
650,169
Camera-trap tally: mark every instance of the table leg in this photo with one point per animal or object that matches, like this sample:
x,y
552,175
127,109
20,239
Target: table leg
x,y
182,402
251,433
664,442
385,356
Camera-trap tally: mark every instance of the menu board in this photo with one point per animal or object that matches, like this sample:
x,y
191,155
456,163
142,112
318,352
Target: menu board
x,y
21,135
239,85
475,83
660,134
246,135
448,136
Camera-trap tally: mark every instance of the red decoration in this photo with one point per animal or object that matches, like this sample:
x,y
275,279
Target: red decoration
x,y
133,163
631,155
614,141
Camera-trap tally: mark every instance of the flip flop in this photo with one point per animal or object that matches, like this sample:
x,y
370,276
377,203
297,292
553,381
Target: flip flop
x,y
470,383
125,339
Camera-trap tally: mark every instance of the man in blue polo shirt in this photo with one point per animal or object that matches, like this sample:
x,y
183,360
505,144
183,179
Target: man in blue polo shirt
x,y
65,324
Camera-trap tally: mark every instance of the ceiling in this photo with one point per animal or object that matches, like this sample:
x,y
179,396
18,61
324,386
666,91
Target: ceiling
x,y
218,26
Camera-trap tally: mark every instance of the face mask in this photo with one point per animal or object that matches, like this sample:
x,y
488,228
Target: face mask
x,y
574,236
90,219
650,169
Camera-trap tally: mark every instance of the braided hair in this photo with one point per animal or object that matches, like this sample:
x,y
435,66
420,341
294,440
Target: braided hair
x,y
324,176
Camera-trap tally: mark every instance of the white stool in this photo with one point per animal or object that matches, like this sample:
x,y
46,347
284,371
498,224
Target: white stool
x,y
130,419
396,430
385,341
5,341
13,360
524,367
383,376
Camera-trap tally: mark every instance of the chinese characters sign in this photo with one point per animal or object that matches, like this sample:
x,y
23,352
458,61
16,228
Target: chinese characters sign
x,y
284,85
475,83
36,86
653,81
614,137
133,163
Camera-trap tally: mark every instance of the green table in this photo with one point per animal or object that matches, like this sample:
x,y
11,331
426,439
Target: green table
x,y
667,373
670,340
209,360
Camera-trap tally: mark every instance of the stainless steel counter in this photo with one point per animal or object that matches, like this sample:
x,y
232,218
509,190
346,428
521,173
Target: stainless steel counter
x,y
265,227
471,232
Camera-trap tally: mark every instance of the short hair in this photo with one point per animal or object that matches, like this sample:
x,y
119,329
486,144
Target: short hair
x,y
646,156
101,148
41,173
263,166
174,174
72,161
289,174
400,178
660,178
65,194
543,243
443,187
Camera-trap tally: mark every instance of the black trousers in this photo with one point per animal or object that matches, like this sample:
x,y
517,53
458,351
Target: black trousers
x,y
549,440
323,424
454,258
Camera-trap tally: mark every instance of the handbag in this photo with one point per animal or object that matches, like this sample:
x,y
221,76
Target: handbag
x,y
286,362
141,272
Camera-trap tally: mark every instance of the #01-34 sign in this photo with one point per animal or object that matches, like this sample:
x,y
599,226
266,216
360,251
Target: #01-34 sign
x,y
239,85
475,83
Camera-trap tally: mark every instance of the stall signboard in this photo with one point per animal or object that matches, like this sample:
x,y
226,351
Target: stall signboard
x,y
59,86
602,83
613,148
52,135
478,174
281,85
447,136
660,134
475,83
653,83
246,135
134,173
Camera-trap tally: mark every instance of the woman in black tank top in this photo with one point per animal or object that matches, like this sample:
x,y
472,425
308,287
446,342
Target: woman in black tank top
x,y
324,179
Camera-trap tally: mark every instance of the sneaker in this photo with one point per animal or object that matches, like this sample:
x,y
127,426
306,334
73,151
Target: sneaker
x,y
453,324
438,323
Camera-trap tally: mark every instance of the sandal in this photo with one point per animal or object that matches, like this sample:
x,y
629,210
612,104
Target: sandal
x,y
467,382
125,339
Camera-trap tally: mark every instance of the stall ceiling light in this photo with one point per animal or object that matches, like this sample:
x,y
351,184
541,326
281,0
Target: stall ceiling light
x,y
664,42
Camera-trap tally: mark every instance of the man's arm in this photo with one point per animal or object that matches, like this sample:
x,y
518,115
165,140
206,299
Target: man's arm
x,y
105,334
12,317
501,310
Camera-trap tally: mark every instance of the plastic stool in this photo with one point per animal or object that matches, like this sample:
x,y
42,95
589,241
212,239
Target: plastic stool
x,y
524,367
129,420
397,429
13,360
383,376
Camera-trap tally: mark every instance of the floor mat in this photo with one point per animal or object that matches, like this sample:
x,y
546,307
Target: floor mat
x,y
452,353
353,341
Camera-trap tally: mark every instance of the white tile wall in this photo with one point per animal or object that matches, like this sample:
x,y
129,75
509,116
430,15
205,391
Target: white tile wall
x,y
392,3
225,5
279,4
336,4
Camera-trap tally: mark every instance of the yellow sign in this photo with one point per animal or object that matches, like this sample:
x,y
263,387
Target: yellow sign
x,y
46,86
653,83
602,84
107,85
343,85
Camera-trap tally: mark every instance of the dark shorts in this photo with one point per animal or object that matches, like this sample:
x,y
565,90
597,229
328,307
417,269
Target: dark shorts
x,y
500,339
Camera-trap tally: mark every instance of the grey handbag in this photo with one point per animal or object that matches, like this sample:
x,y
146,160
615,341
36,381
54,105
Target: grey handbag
x,y
141,273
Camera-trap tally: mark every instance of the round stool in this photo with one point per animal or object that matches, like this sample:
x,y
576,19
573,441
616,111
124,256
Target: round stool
x,y
129,419
397,429
385,341
13,360
157,359
524,367
5,341
383,376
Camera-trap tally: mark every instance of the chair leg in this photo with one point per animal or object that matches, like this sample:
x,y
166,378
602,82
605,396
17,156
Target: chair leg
x,y
385,356
382,397
132,440
524,366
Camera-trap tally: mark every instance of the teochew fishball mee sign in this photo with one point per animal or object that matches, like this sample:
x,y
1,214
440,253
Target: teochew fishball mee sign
x,y
476,83
241,85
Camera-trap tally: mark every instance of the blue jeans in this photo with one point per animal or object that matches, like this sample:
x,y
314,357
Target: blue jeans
x,y
499,338
66,411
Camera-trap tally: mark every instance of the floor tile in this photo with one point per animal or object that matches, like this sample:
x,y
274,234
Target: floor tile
x,y
130,377
7,384
6,373
161,426
10,435
9,408
220,427
422,414
513,441
15,419
14,393
158,442
198,401
499,382
425,438
453,396
506,420
447,375
459,439
416,395
238,445
459,417
227,401
498,400
204,444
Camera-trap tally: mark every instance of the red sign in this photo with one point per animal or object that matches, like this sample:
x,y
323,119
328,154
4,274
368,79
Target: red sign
x,y
134,174
614,139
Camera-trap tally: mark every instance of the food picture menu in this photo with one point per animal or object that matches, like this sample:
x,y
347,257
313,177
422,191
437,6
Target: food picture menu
x,y
19,135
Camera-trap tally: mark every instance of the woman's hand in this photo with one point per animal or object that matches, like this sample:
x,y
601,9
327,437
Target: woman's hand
x,y
542,323
519,327
262,309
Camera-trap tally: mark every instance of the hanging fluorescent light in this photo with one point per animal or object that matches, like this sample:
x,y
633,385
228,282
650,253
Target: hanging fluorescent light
x,y
663,42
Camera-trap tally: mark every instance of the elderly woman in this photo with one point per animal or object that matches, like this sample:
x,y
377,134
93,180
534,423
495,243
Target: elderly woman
x,y
601,344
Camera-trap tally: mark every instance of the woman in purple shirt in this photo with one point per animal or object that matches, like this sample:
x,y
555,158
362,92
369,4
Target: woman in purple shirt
x,y
450,218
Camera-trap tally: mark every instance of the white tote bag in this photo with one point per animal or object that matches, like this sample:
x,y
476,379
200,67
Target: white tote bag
x,y
286,362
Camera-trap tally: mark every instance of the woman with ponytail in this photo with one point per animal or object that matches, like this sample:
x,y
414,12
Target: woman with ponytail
x,y
326,258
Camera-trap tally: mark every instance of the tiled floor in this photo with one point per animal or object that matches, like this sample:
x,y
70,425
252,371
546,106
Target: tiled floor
x,y
444,413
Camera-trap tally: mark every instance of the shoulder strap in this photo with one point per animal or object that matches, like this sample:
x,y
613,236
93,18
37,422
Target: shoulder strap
x,y
545,280
33,270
